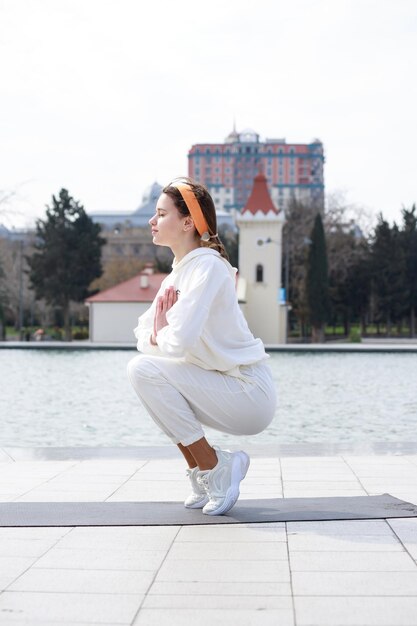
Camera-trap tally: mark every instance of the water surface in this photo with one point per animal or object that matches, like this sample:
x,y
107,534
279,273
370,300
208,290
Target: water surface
x,y
83,398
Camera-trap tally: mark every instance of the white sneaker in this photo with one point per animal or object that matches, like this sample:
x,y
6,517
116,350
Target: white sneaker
x,y
198,498
222,482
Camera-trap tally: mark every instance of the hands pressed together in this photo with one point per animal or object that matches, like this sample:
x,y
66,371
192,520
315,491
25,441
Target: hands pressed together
x,y
163,304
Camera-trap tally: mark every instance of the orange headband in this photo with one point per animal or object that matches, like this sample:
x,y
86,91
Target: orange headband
x,y
195,209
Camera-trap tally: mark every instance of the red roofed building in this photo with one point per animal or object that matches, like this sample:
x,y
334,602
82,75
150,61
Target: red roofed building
x,y
114,312
260,262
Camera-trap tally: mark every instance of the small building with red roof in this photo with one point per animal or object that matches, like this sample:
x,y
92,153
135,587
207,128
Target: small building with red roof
x,y
114,312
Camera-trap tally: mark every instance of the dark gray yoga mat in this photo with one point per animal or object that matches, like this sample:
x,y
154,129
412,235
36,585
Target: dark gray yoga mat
x,y
174,513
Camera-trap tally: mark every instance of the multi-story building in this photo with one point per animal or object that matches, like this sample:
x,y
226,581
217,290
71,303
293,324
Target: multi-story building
x,y
228,169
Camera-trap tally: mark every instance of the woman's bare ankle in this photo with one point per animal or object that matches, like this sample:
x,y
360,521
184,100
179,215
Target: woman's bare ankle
x,y
187,456
204,454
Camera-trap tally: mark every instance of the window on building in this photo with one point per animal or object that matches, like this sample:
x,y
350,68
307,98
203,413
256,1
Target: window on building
x,y
259,273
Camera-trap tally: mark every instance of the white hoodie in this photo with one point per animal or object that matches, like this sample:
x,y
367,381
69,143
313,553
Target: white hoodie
x,y
205,326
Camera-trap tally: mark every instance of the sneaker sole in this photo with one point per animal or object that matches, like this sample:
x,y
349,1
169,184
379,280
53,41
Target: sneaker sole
x,y
197,505
240,467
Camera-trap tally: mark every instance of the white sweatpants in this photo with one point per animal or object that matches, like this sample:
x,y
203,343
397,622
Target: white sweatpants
x,y
181,397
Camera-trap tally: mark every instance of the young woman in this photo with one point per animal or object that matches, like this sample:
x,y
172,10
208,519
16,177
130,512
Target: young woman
x,y
201,365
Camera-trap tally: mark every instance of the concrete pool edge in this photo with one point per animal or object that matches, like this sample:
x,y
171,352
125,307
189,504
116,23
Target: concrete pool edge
x,y
10,454
367,345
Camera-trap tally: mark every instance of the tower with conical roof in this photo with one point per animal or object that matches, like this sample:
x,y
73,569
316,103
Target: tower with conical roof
x,y
260,258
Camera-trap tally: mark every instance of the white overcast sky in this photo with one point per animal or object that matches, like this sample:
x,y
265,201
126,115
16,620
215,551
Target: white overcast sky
x,y
103,97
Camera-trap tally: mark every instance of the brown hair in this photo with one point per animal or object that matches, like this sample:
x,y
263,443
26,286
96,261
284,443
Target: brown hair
x,y
207,206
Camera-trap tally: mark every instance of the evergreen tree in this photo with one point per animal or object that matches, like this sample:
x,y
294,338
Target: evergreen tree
x,y
409,242
340,245
359,284
389,274
299,219
317,281
3,301
67,255
230,240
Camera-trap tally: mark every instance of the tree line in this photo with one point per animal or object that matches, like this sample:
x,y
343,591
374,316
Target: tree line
x,y
339,275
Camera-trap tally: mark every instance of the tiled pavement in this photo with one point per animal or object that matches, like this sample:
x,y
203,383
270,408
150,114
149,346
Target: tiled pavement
x,y
341,573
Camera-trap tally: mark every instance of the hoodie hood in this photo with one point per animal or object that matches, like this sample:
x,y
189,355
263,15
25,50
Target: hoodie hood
x,y
176,266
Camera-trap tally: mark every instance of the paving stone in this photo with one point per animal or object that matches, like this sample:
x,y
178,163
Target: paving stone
x,y
37,532
204,602
213,551
227,571
69,496
351,561
123,533
355,611
26,547
315,475
341,527
120,538
233,533
406,531
58,607
43,621
343,543
220,588
355,583
125,559
322,485
321,493
15,565
208,617
84,581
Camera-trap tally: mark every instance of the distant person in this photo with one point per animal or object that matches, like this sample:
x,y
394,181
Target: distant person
x,y
201,364
39,334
